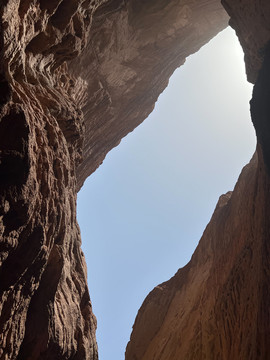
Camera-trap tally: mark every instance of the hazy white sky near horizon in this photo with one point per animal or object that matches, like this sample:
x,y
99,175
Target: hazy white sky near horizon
x,y
144,210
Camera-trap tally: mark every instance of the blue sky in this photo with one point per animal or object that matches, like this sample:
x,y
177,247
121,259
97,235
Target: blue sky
x,y
144,210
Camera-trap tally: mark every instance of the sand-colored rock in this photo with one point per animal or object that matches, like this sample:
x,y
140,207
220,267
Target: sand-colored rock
x,y
217,306
45,309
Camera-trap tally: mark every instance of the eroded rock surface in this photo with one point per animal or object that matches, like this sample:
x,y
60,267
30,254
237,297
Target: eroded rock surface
x,y
134,48
45,306
250,19
217,306
75,77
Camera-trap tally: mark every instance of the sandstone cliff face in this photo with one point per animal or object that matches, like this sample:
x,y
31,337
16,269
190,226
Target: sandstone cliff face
x,y
217,307
58,119
45,306
133,50
75,77
250,19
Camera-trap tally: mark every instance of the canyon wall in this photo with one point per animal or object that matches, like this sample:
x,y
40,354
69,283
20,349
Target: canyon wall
x,y
217,306
133,49
75,77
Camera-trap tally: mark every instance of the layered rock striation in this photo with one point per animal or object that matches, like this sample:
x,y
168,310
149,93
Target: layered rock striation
x,y
75,77
134,48
45,306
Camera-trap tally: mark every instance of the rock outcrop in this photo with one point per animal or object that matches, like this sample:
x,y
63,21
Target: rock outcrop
x,y
250,19
134,48
75,77
45,306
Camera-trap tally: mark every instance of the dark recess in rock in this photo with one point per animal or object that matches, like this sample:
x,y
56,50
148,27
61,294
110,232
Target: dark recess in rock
x,y
260,106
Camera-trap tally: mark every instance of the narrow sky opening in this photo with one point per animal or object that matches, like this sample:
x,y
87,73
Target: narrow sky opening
x,y
144,210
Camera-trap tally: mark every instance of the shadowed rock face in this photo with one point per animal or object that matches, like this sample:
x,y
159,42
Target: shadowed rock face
x,y
75,77
45,306
250,19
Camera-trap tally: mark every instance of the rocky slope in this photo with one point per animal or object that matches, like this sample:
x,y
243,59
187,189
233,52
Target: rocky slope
x,y
75,77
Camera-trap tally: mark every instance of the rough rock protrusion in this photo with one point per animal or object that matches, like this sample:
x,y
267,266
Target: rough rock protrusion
x,y
134,48
45,309
250,20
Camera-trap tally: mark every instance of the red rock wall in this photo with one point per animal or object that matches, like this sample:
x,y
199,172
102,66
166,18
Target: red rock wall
x,y
75,77
250,19
134,48
217,306
45,306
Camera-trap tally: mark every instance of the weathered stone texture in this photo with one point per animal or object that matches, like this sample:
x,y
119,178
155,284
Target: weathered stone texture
x,y
217,306
45,309
75,77
134,48
250,19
